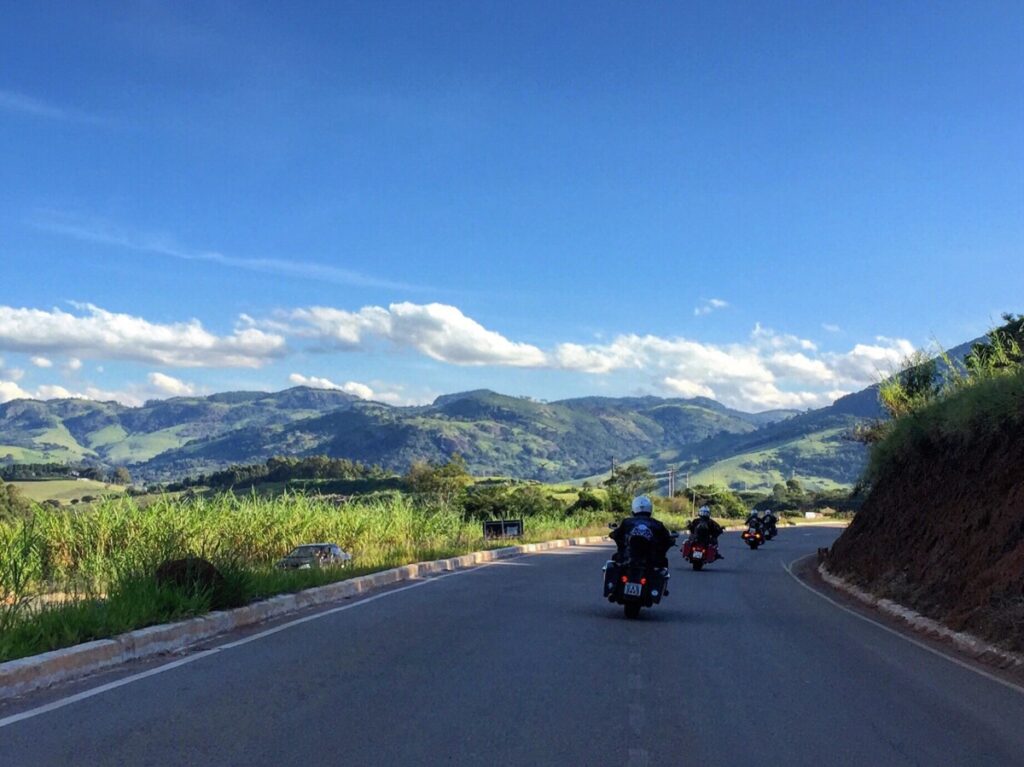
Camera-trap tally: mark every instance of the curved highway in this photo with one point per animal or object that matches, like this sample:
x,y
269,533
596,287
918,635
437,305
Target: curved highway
x,y
523,663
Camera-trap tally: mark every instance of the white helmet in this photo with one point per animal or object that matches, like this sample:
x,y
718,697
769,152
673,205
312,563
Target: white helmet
x,y
704,511
642,506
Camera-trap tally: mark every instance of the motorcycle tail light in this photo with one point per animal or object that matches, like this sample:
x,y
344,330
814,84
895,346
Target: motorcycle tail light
x,y
625,579
643,581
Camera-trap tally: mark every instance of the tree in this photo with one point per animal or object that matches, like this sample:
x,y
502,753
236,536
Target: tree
x,y
531,501
633,480
794,488
121,476
722,501
587,500
443,481
484,502
12,504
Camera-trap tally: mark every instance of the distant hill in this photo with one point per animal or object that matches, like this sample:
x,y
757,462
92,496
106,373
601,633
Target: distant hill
x,y
497,434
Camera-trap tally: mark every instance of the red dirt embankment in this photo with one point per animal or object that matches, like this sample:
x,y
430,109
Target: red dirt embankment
x,y
942,532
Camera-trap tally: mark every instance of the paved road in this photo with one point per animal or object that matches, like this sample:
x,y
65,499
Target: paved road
x,y
522,663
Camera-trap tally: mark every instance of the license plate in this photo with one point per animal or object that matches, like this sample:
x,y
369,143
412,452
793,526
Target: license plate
x,y
632,589
698,555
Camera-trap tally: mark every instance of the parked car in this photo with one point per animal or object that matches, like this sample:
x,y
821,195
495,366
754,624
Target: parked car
x,y
310,555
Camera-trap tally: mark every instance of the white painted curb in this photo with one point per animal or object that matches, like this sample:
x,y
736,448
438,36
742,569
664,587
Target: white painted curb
x,y
967,643
18,677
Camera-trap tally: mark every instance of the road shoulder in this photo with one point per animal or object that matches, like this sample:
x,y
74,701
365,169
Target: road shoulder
x,y
805,571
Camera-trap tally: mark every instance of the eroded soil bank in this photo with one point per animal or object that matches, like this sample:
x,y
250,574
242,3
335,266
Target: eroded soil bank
x,y
942,532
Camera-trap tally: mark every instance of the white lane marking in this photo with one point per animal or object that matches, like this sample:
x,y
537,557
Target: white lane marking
x,y
85,694
894,632
637,757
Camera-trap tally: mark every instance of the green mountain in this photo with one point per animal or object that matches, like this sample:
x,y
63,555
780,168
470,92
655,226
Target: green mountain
x,y
497,434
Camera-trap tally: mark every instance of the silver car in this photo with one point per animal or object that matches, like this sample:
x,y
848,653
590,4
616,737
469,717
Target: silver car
x,y
310,555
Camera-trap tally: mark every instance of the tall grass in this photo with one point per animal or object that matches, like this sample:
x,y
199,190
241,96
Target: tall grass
x,y
103,559
984,405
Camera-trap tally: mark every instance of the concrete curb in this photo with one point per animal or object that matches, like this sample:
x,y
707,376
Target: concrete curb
x,y
36,672
967,643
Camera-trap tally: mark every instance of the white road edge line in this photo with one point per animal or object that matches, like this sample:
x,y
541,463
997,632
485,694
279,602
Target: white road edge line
x,y
85,694
981,672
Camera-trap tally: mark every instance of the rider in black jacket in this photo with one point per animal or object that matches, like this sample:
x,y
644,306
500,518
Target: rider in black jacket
x,y
642,524
704,529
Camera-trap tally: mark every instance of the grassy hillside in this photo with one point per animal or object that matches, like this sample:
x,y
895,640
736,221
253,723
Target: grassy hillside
x,y
497,434
65,489
825,460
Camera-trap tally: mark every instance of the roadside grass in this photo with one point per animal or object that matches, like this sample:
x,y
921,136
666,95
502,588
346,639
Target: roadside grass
x,y
971,411
104,559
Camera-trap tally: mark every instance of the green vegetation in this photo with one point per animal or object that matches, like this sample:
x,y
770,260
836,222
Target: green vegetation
x,y
104,559
496,434
12,503
65,490
980,398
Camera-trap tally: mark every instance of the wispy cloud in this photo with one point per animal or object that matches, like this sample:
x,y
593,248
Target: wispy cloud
x,y
103,233
829,327
27,105
711,305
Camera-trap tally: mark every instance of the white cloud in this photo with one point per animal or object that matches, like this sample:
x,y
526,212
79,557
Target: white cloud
x,y
830,328
799,366
171,386
53,391
685,388
73,365
439,331
771,370
711,305
41,362
98,333
356,389
867,363
10,390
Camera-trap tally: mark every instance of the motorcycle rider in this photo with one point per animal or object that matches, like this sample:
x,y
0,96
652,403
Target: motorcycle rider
x,y
645,526
704,529
770,521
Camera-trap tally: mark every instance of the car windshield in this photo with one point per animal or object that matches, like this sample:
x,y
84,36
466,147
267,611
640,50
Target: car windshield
x,y
305,551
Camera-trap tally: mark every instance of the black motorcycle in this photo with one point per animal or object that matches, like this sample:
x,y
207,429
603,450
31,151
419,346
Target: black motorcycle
x,y
636,581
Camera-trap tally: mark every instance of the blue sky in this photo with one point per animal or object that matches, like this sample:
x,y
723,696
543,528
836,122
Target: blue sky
x,y
765,203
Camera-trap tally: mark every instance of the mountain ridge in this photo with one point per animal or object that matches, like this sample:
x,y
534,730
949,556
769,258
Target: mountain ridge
x,y
497,433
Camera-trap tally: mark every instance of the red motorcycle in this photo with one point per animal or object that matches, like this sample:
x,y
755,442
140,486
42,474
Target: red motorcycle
x,y
699,554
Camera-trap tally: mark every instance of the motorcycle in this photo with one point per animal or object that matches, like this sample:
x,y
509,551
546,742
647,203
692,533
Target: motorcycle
x,y
699,554
636,582
753,536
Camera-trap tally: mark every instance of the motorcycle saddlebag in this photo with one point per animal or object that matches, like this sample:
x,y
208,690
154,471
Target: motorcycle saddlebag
x,y
612,577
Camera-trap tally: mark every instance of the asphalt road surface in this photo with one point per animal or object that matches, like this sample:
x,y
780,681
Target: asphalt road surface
x,y
523,663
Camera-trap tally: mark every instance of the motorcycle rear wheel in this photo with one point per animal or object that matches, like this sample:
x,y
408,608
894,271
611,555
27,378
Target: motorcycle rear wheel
x,y
632,610
697,565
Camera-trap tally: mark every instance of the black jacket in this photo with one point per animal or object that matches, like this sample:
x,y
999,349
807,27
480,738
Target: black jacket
x,y
648,528
708,526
